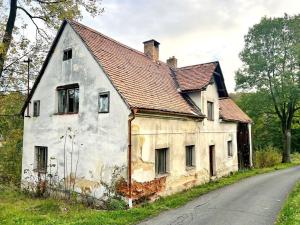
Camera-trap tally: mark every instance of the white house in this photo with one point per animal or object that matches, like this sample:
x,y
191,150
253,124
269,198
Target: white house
x,y
170,128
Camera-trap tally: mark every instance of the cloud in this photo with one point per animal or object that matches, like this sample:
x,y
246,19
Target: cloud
x,y
195,31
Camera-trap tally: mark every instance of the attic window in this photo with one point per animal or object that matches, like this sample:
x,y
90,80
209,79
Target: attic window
x,y
210,110
67,54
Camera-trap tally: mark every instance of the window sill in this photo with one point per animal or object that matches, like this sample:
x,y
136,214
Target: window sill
x,y
188,168
61,114
162,175
103,112
40,171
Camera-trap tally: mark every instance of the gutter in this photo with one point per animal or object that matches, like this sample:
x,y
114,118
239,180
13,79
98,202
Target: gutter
x,y
131,118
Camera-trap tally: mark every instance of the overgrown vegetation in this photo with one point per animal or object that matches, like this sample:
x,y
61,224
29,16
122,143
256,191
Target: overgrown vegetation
x,y
11,134
17,208
267,157
290,213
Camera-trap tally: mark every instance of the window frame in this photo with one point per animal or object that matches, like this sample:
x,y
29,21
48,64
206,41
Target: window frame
x,y
190,161
210,116
38,103
66,54
37,158
108,104
65,105
229,148
158,153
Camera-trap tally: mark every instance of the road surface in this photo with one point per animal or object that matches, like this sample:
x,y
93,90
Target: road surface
x,y
253,201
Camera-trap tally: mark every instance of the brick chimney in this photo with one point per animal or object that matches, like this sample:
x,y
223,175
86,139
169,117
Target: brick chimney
x,y
151,49
172,62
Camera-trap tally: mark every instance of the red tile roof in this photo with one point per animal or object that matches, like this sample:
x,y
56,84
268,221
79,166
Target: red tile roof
x,y
195,77
143,83
229,111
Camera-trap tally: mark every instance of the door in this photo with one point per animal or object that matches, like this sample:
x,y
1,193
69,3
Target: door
x,y
212,166
243,146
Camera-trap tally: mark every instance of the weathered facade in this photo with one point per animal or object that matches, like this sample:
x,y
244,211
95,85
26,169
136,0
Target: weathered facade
x,y
98,104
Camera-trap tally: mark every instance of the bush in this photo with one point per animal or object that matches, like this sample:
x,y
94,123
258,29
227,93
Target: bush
x,y
116,204
267,157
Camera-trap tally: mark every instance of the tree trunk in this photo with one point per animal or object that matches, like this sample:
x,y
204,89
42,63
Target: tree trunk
x,y
8,33
287,136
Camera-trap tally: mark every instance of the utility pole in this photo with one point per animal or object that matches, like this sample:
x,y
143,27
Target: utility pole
x,y
28,61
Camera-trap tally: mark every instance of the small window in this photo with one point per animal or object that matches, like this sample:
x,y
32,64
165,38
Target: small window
x,y
67,54
103,102
36,108
41,159
161,161
229,148
68,99
190,156
210,110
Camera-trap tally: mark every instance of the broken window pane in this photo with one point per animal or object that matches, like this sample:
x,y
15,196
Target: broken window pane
x,y
67,54
71,100
104,102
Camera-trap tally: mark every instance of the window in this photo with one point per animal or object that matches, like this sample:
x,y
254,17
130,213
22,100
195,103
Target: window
x,y
190,156
68,99
36,108
161,161
210,110
67,54
229,148
41,158
103,102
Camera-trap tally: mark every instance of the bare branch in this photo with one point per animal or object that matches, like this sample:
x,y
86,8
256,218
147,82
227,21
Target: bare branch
x,y
49,2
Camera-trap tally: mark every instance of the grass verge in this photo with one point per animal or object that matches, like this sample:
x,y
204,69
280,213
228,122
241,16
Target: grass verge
x,y
17,208
290,213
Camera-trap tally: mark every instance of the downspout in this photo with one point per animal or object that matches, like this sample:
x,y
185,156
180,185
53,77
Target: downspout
x,y
131,118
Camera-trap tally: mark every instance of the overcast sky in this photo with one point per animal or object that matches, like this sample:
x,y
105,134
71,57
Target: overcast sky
x,y
194,31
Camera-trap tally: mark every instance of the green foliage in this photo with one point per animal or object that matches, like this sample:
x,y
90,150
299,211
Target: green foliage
x,y
290,213
267,157
271,66
116,204
17,208
11,131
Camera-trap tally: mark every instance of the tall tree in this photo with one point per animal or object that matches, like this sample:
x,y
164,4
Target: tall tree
x,y
271,65
43,14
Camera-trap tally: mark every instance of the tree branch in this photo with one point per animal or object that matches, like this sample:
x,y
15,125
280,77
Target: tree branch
x,y
32,19
49,2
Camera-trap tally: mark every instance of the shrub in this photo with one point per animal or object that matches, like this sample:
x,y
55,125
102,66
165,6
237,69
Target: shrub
x,y
267,157
116,204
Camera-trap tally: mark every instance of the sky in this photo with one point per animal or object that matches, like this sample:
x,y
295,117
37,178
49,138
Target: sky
x,y
194,31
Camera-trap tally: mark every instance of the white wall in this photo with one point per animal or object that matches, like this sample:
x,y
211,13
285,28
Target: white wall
x,y
101,138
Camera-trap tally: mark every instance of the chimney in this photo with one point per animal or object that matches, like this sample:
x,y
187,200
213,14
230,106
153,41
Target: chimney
x,y
151,49
172,62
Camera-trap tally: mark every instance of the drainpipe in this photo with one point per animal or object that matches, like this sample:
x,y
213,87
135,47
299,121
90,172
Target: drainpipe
x,y
131,118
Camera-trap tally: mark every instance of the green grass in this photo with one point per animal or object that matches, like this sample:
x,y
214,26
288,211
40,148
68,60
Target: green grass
x,y
17,208
290,213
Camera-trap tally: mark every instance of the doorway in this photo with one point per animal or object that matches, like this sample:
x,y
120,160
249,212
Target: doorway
x,y
243,146
212,165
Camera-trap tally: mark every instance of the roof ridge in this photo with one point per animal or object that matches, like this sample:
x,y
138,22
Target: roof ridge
x,y
107,37
115,41
195,65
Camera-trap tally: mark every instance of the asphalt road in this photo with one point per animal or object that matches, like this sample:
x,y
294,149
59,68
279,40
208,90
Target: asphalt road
x,y
253,201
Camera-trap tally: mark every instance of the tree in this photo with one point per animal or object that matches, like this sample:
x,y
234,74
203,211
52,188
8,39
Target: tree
x,y
271,65
44,15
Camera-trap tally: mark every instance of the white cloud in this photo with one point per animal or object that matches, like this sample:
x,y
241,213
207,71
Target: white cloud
x,y
195,31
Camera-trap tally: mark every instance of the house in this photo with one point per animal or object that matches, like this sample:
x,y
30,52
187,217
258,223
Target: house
x,y
98,105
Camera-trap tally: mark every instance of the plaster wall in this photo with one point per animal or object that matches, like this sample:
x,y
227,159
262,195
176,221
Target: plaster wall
x,y
155,132
100,141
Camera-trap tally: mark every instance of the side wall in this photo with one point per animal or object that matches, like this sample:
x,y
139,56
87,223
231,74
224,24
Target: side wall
x,y
100,141
150,133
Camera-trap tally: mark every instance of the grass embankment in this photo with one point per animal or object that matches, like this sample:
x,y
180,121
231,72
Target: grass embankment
x,y
290,213
17,208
